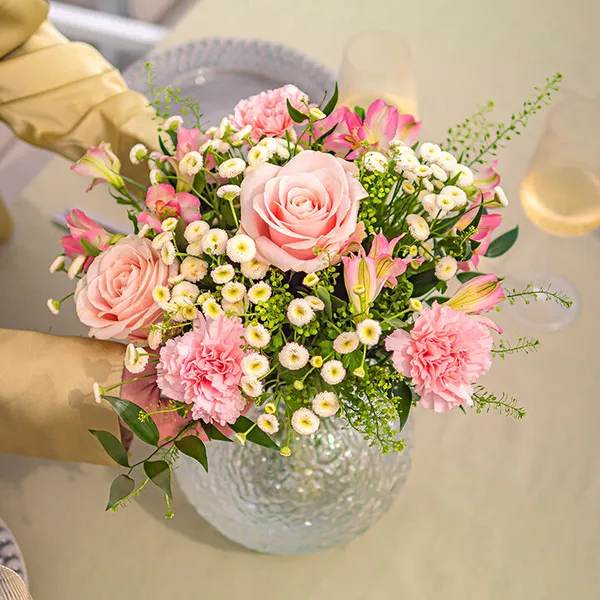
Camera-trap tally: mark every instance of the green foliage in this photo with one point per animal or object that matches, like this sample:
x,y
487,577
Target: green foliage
x,y
253,433
136,419
503,243
467,276
295,114
120,489
403,396
194,447
485,400
469,133
523,345
531,293
114,448
330,106
159,472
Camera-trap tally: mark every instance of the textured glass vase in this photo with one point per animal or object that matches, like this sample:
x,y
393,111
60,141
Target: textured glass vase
x,y
332,488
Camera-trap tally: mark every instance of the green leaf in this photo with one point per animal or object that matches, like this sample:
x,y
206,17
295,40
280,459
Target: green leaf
x,y
403,395
133,218
423,282
295,114
395,322
163,147
503,243
214,434
159,473
326,134
332,101
193,446
89,249
256,436
352,361
173,136
360,111
130,414
475,222
464,277
323,294
438,299
114,448
446,225
120,488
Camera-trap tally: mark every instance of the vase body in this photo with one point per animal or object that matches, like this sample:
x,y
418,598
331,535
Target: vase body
x,y
332,488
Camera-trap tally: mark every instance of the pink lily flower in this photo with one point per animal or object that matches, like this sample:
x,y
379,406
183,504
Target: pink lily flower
x,y
487,225
488,178
102,164
82,227
478,295
163,202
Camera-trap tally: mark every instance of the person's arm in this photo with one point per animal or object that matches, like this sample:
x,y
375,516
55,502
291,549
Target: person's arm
x,y
62,95
46,399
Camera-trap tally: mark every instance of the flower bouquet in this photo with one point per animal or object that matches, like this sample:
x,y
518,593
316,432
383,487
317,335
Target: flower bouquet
x,y
300,259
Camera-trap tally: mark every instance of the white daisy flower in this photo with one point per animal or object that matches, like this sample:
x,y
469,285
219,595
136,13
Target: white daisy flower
x,y
299,312
233,291
258,155
57,263
316,113
268,423
98,392
445,202
283,150
191,164
325,404
170,224
155,338
241,248
293,356
429,152
175,279
76,266
254,269
418,227
369,332
136,359
53,306
410,176
422,171
415,304
161,295
229,191
310,280
446,268
333,372
466,177
500,196
231,168
316,361
407,162
428,185
215,241
195,231
426,250
243,133
259,292
429,203
187,313
305,422
161,239
211,308
251,386
157,177
194,249
346,342
138,153
222,274
167,253
257,336
255,365
458,195
439,173
220,146
408,188
271,145
237,308
375,162
144,229
315,303
193,269
399,147
447,161
185,289
173,123
223,129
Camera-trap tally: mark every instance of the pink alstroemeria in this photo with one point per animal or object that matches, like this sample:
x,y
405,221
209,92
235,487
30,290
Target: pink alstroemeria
x,y
488,178
354,136
102,164
478,295
163,202
82,227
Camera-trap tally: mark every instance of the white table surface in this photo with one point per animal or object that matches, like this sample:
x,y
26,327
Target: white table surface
x,y
493,509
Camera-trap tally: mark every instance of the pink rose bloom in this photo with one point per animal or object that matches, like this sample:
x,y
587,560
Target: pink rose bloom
x,y
311,202
163,201
445,352
203,368
114,298
267,112
82,227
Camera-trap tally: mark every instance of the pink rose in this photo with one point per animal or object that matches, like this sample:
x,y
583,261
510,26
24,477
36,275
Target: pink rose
x,y
114,298
163,202
445,352
203,368
267,112
82,227
311,202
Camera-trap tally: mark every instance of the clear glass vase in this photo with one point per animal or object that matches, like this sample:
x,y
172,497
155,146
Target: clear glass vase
x,y
332,488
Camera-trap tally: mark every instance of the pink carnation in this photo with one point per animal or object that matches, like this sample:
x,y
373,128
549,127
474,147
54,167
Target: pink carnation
x,y
267,112
203,368
445,352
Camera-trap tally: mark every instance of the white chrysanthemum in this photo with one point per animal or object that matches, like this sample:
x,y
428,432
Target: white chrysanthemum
x,y
195,249
428,185
155,337
271,144
241,248
259,292
138,153
175,279
223,129
466,177
315,303
429,152
410,176
333,372
325,404
173,123
195,231
408,162
408,188
53,306
170,224
167,253
399,147
426,250
229,191
220,146
458,195
447,161
446,268
258,155
257,336
283,151
243,133
185,289
369,332
293,356
233,291
254,269
418,227
161,295
429,203
445,202
187,313
98,392
144,229
310,280
237,308
211,308
422,171
268,423
375,162
305,422
500,196
161,239
157,177
57,263
136,359
415,304
346,342
251,386
316,113
215,241
299,312
255,365
222,274
191,164
193,269
231,168
76,266
439,173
